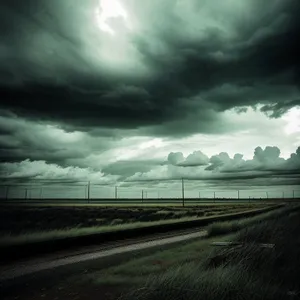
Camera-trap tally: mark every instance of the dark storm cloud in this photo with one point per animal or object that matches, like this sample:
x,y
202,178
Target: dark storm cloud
x,y
21,140
47,73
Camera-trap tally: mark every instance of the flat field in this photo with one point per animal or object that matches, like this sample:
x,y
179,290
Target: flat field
x,y
196,269
24,219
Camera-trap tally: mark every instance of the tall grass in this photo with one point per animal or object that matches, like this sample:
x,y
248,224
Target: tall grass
x,y
220,228
192,282
10,239
33,237
246,272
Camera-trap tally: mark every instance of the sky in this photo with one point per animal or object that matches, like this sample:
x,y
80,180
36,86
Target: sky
x,y
139,94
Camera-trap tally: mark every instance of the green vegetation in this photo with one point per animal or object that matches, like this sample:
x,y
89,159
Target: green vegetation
x,y
22,225
242,272
221,228
136,270
73,232
197,269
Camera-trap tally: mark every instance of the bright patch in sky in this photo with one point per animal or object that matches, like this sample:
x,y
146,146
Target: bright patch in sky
x,y
109,9
293,120
152,143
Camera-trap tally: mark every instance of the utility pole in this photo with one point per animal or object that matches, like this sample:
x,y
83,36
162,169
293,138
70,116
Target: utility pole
x,y
199,195
182,185
6,192
26,190
116,192
238,194
214,196
41,193
267,195
88,191
142,195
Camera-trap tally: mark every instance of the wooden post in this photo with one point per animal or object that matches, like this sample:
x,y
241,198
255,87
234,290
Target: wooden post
x,y
182,185
88,191
6,192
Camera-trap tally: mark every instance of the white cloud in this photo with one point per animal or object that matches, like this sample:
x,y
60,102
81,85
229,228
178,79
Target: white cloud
x,y
40,170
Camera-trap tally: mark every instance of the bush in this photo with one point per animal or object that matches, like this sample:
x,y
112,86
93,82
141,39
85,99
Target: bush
x,y
220,228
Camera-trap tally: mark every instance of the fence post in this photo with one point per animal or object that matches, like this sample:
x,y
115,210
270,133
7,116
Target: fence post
x,y
6,192
182,186
88,191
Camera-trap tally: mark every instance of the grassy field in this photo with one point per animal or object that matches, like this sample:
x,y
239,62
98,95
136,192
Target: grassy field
x,y
196,270
16,220
195,251
242,272
29,231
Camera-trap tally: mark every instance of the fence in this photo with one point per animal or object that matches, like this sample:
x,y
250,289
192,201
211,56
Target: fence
x,y
180,189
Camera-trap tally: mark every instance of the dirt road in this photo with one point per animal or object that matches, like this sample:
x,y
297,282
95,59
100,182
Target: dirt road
x,y
10,272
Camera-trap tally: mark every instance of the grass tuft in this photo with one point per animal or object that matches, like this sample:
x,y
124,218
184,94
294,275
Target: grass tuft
x,y
191,282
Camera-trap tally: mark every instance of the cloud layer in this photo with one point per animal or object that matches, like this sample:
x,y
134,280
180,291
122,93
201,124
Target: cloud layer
x,y
136,103
265,167
193,61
